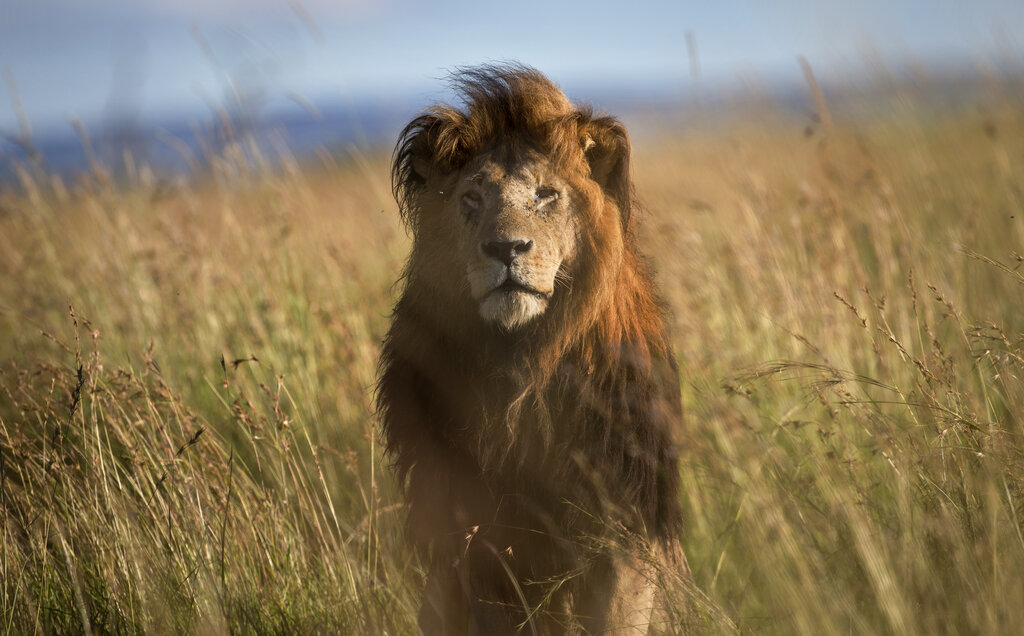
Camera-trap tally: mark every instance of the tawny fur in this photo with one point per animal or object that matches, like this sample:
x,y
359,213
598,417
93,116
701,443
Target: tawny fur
x,y
536,455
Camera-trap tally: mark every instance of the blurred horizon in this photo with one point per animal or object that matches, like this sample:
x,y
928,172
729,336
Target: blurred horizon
x,y
120,67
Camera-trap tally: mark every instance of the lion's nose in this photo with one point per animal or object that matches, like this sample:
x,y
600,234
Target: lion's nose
x,y
506,251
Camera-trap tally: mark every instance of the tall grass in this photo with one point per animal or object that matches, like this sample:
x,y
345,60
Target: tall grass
x,y
853,373
187,435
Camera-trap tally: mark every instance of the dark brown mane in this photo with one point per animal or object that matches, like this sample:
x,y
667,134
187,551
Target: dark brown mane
x,y
576,406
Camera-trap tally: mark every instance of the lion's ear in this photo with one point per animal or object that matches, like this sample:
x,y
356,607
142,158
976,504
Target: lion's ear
x,y
428,148
606,147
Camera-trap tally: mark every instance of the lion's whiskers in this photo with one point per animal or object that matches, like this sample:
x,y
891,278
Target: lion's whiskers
x,y
563,279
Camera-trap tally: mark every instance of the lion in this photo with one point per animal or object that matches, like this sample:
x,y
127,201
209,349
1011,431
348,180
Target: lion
x,y
527,388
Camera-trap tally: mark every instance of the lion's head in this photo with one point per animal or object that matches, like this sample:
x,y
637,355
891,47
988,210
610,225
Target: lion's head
x,y
508,196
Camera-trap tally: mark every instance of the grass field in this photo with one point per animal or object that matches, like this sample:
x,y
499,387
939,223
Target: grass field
x,y
186,426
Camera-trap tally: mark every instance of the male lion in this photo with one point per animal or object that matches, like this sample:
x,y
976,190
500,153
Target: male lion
x,y
527,387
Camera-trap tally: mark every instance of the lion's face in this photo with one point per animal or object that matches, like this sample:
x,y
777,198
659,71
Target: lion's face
x,y
519,205
517,231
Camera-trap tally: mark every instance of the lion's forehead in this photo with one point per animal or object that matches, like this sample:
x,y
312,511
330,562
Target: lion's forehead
x,y
522,168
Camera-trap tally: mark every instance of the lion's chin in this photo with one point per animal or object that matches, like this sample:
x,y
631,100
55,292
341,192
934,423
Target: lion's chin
x,y
511,309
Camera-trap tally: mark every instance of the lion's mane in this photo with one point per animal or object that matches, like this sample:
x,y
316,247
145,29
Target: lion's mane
x,y
564,424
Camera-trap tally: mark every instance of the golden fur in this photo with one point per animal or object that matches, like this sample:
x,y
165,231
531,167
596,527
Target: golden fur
x,y
530,421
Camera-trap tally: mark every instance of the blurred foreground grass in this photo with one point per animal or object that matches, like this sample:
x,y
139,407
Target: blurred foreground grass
x,y
186,427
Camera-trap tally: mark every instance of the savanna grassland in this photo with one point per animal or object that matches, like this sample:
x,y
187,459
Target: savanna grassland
x,y
186,424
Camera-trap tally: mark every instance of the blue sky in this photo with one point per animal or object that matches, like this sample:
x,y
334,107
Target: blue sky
x,y
99,59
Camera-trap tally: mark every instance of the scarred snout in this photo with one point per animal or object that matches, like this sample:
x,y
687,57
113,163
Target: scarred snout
x,y
506,251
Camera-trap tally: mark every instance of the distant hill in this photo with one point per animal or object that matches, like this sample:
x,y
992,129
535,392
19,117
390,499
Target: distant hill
x,y
178,147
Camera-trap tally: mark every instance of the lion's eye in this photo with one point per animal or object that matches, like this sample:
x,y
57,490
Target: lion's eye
x,y
472,200
546,195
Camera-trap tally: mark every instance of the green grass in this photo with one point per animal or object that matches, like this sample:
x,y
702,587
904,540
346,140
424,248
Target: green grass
x,y
186,423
